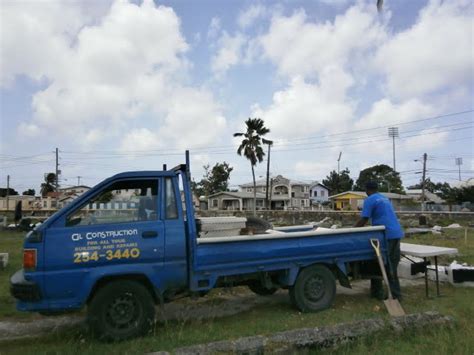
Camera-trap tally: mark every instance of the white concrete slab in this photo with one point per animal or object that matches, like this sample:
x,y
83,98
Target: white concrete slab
x,y
423,251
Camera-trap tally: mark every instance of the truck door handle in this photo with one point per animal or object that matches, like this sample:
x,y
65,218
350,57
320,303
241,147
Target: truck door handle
x,y
150,234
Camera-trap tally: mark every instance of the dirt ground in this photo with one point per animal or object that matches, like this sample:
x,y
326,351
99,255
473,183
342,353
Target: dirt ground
x,y
222,303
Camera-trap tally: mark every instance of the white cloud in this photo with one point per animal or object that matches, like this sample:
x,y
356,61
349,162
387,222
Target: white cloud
x,y
140,139
193,119
250,15
304,108
94,136
385,112
382,113
334,2
125,69
29,130
229,52
314,170
29,30
435,53
427,139
196,123
300,47
214,28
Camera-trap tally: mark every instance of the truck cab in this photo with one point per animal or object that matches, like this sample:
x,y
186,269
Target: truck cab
x,y
131,227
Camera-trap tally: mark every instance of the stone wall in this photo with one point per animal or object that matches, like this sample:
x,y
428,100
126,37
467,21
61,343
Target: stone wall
x,y
343,218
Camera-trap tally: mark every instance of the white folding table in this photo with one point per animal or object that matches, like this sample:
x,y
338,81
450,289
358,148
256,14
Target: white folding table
x,y
427,251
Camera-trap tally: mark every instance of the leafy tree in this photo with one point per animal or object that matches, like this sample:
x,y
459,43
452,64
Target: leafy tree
x,y
214,180
387,179
197,188
105,197
11,192
429,185
465,194
441,189
29,192
48,185
337,183
251,148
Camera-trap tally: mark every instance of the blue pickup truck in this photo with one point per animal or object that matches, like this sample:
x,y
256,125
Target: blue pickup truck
x,y
133,242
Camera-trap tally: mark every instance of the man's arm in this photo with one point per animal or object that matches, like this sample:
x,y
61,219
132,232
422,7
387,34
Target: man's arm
x,y
361,222
365,214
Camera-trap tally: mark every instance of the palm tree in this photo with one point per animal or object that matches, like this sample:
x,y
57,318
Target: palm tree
x,y
48,185
251,147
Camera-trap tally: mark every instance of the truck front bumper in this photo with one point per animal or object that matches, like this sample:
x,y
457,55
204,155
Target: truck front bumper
x,y
22,289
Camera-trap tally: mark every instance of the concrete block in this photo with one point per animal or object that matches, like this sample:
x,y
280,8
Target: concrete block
x,y
326,338
3,260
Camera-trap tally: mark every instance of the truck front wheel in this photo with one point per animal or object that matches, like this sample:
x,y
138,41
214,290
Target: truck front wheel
x,y
314,289
121,310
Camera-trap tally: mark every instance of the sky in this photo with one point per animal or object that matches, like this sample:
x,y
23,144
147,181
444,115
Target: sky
x,y
130,85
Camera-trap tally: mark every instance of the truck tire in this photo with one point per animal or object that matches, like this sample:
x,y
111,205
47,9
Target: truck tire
x,y
257,288
258,225
121,310
314,289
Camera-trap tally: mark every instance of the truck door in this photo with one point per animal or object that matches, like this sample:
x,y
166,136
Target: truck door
x,y
175,277
119,230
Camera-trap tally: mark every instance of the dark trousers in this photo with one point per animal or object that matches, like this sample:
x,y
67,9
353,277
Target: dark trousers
x,y
376,287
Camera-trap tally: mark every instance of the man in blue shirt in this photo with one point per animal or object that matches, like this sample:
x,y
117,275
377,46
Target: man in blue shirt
x,y
380,211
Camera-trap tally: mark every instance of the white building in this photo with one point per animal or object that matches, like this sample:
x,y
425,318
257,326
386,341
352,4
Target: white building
x,y
318,193
285,194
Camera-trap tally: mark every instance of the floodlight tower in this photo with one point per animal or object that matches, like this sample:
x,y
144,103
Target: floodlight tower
x,y
393,133
338,160
459,163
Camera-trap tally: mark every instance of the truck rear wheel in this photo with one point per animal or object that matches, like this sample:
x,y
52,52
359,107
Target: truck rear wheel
x,y
314,289
121,310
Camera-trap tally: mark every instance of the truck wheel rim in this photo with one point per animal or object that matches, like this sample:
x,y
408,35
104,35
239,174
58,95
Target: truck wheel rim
x,y
123,311
314,289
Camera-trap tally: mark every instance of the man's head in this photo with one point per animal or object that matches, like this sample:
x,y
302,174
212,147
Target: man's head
x,y
371,187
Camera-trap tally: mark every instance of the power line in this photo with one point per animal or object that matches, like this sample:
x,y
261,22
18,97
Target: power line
x,y
200,148
433,130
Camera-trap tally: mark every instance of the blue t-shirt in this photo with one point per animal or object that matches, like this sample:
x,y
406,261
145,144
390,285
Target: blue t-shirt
x,y
379,209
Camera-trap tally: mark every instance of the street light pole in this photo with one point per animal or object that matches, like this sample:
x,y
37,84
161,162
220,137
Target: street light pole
x,y
393,133
459,163
338,171
338,161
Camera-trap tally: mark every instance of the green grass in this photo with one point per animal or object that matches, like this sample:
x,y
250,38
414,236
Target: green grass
x,y
11,243
271,317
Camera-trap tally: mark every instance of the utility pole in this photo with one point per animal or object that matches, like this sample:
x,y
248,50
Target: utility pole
x,y
57,170
271,188
57,177
267,200
459,163
425,157
393,133
8,192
